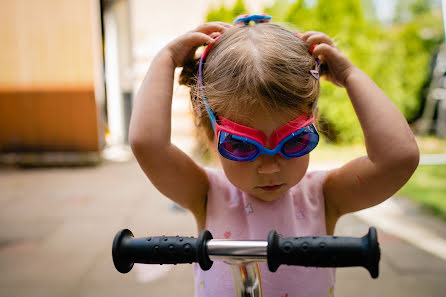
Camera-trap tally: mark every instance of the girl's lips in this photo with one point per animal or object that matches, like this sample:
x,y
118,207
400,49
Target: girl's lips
x,y
271,188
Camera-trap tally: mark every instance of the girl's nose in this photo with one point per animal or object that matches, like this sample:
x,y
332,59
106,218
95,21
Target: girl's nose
x,y
268,164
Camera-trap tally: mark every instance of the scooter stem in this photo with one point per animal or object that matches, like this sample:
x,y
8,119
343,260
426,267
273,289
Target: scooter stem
x,y
244,266
246,279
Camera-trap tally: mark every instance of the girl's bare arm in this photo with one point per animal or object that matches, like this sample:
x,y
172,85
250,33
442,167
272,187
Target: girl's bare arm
x,y
392,152
170,170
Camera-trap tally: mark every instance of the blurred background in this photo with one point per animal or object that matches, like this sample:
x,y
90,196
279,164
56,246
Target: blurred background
x,y
69,73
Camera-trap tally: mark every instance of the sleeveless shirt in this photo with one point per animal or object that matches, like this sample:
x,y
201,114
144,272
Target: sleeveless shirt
x,y
236,215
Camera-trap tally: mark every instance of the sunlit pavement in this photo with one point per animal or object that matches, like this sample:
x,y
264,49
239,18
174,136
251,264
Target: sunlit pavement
x,y
57,226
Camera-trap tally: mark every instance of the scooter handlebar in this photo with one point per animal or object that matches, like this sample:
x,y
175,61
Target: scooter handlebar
x,y
315,251
127,250
325,251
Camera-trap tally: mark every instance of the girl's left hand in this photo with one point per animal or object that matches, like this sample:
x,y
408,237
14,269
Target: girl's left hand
x,y
339,67
183,47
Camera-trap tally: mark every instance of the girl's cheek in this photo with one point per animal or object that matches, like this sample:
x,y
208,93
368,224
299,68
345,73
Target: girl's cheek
x,y
297,167
239,172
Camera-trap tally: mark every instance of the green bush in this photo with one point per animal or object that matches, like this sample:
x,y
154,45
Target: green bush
x,y
427,187
225,14
396,56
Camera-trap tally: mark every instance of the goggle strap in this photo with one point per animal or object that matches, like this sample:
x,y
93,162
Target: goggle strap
x,y
200,85
209,111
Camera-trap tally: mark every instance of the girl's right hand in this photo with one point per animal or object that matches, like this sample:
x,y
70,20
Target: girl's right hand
x,y
183,48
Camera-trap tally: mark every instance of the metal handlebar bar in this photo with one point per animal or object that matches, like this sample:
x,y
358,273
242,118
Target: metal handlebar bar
x,y
315,251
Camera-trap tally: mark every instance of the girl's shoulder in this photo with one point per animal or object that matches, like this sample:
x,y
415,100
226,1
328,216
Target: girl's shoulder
x,y
217,180
215,175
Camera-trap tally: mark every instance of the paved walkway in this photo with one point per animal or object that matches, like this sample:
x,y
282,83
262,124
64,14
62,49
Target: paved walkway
x,y
57,226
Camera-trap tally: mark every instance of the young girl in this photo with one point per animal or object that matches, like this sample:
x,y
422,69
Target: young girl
x,y
255,94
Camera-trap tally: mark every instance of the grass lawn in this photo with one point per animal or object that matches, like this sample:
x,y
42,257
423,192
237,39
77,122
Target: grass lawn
x,y
428,187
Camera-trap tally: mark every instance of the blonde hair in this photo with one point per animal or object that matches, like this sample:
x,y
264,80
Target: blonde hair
x,y
253,66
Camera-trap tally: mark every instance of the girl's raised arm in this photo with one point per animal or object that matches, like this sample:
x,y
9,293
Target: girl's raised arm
x,y
170,170
392,152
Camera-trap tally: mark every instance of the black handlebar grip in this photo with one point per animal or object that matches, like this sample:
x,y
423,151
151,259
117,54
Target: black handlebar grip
x,y
128,250
325,251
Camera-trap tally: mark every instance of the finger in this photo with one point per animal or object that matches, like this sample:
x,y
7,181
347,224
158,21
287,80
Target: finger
x,y
214,35
227,25
197,39
324,50
320,38
209,28
307,34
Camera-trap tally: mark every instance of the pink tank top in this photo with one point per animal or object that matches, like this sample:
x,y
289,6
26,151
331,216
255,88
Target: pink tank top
x,y
236,215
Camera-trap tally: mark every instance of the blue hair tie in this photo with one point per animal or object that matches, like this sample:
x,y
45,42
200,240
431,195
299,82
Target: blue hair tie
x,y
256,18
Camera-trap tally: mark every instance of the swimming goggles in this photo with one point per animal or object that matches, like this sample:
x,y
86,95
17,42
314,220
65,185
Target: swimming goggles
x,y
241,143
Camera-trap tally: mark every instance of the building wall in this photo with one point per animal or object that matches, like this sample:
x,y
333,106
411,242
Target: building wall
x,y
49,66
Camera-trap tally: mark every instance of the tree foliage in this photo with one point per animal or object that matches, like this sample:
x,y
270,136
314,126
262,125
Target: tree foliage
x,y
225,14
396,56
